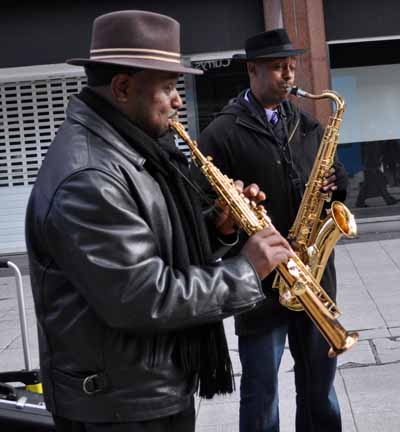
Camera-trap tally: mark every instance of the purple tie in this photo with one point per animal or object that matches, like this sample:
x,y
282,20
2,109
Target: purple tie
x,y
274,118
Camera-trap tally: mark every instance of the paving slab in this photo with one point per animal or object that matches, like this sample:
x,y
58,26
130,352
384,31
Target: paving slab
x,y
392,248
388,350
369,255
287,394
231,338
394,331
7,336
374,397
359,310
11,360
374,333
221,414
360,354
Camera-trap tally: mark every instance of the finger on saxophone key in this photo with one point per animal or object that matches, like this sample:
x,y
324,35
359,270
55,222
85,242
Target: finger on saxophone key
x,y
329,183
266,250
254,193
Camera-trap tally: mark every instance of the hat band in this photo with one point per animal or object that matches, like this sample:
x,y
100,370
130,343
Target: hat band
x,y
143,57
269,50
134,51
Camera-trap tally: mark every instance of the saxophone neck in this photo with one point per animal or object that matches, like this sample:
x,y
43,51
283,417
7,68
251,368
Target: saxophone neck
x,y
326,94
197,156
181,132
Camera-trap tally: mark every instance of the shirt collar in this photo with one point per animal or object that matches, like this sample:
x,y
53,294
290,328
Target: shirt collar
x,y
268,112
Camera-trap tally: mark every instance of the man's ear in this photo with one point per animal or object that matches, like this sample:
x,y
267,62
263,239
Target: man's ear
x,y
251,68
120,87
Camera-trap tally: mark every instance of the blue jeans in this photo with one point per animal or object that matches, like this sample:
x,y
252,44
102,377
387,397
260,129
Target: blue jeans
x,y
317,406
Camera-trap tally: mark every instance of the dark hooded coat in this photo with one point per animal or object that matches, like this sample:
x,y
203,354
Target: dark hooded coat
x,y
245,146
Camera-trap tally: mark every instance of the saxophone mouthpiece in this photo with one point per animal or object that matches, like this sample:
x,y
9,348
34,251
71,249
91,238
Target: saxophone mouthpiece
x,y
173,119
173,115
296,91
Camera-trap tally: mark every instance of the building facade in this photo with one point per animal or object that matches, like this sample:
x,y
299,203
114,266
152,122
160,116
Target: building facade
x,y
362,47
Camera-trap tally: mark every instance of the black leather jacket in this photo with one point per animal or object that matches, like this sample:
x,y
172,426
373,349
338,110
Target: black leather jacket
x,y
98,238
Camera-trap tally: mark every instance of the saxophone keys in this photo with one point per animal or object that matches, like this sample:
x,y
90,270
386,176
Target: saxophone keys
x,y
298,288
305,231
293,269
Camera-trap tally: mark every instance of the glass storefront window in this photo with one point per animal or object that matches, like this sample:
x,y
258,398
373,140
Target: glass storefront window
x,y
369,144
223,80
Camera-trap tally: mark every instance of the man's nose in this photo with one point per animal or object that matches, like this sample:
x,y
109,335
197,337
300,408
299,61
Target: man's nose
x,y
288,73
176,101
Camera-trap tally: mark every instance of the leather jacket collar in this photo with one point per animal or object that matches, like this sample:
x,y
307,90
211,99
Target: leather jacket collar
x,y
78,111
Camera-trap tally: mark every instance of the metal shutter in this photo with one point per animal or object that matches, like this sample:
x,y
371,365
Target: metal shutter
x,y
32,107
183,117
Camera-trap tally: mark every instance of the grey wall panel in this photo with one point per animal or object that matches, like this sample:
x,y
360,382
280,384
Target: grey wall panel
x,y
352,19
35,33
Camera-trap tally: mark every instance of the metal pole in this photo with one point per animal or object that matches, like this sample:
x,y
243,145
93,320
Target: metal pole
x,y
22,317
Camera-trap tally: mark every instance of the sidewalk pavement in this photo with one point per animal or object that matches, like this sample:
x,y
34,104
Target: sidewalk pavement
x,y
368,376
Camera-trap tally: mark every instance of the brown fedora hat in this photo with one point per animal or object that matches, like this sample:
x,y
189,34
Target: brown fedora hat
x,y
137,39
269,44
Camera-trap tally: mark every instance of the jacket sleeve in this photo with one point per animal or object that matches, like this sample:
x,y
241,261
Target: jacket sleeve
x,y
110,254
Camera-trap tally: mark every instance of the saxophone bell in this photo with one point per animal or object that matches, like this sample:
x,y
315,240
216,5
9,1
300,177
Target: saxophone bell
x,y
339,222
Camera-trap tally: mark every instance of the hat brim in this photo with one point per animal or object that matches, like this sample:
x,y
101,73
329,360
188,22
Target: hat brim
x,y
138,63
277,54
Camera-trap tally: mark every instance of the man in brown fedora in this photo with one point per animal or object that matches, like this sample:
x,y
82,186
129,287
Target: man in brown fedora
x,y
128,292
262,137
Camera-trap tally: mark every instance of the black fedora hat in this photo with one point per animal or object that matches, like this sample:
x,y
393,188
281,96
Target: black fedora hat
x,y
269,44
138,39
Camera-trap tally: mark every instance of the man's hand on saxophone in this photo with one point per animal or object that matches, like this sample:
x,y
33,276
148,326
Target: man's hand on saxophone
x,y
329,184
266,249
224,223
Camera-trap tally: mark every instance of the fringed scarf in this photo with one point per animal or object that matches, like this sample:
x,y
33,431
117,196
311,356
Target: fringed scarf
x,y
200,350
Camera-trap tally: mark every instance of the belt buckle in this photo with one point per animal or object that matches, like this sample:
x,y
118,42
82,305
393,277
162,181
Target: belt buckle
x,y
93,384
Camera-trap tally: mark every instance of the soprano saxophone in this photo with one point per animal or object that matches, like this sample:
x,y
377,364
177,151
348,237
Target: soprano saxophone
x,y
315,235
253,218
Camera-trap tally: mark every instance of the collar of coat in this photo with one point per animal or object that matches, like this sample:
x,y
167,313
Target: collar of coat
x,y
247,117
81,113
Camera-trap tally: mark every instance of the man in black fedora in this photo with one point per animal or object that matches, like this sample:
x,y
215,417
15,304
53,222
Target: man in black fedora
x,y
261,136
128,293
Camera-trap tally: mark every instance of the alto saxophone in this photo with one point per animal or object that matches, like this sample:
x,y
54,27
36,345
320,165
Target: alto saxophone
x,y
315,235
253,218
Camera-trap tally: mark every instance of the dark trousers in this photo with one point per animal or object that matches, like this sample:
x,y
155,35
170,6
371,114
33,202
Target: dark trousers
x,y
181,422
260,355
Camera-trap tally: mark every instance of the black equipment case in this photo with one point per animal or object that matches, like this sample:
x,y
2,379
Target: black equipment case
x,y
22,408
